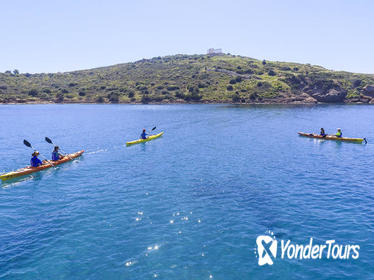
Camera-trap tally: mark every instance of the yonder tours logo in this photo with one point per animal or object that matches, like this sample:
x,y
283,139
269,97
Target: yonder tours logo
x,y
267,249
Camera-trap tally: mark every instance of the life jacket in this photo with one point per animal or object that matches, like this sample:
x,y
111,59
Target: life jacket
x,y
55,156
35,162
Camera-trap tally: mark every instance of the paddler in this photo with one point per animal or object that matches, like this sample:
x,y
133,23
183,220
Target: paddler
x,y
35,162
56,155
143,135
339,133
322,133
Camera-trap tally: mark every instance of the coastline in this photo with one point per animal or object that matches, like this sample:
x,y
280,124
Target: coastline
x,y
192,103
191,79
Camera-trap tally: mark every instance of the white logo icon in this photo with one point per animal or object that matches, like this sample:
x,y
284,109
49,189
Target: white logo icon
x,y
267,245
266,249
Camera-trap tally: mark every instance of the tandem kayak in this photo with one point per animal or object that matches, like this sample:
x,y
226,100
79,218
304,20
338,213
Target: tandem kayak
x,y
28,170
332,137
149,138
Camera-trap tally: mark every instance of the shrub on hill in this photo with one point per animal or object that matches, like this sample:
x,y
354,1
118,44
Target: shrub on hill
x,y
59,97
113,97
145,99
33,92
236,97
100,99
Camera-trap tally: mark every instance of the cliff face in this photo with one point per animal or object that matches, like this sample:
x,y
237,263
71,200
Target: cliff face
x,y
191,78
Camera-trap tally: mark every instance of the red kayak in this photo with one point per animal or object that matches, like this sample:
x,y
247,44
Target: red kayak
x,y
46,164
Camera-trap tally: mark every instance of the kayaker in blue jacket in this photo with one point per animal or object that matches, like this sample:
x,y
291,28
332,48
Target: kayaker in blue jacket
x,y
35,162
143,135
322,133
339,133
56,155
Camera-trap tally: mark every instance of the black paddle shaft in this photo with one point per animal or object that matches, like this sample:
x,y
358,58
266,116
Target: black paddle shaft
x,y
48,140
27,143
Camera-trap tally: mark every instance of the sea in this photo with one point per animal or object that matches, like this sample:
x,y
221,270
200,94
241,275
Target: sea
x,y
207,200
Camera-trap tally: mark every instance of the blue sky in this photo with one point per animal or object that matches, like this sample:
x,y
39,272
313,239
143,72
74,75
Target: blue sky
x,y
57,36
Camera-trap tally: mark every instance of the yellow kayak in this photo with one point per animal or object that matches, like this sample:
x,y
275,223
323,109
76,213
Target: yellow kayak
x,y
332,137
149,138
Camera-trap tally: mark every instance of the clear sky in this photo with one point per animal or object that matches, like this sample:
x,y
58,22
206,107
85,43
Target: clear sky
x,y
57,36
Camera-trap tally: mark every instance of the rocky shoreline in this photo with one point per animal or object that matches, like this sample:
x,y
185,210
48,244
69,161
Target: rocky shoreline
x,y
310,96
279,101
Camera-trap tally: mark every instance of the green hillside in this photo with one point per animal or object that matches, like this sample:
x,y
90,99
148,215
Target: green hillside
x,y
191,78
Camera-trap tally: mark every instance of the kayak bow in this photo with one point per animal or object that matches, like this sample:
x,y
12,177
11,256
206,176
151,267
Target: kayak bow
x,y
151,137
332,137
28,170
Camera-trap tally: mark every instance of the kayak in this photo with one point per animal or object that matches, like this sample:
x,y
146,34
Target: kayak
x,y
332,137
28,170
149,138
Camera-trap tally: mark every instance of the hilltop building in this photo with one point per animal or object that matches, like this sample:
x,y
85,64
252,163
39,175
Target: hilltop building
x,y
213,51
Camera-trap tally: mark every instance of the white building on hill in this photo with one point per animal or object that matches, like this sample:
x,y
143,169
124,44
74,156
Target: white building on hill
x,y
213,51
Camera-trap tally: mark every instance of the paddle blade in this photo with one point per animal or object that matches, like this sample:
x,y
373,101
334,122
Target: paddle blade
x,y
153,128
48,140
27,143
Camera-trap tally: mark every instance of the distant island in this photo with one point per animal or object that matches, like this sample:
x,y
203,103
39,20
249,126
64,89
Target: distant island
x,y
211,78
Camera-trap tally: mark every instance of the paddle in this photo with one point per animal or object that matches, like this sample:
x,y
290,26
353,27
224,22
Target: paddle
x,y
151,131
27,143
48,140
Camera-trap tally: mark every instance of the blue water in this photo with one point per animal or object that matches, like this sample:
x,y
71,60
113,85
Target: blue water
x,y
191,204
